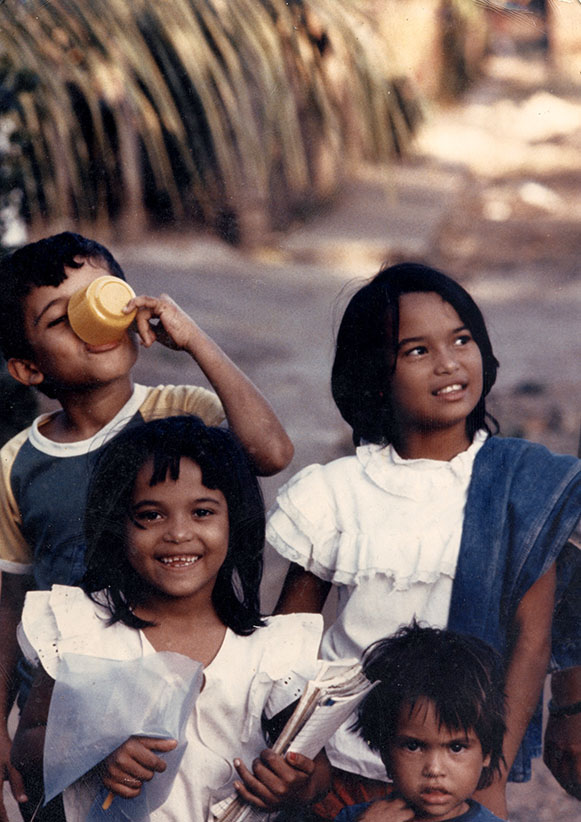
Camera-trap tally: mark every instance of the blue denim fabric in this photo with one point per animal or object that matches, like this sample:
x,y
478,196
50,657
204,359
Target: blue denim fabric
x,y
523,503
475,813
351,813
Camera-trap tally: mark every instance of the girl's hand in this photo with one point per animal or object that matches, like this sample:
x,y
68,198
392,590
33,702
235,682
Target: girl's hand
x,y
387,810
175,328
562,749
562,752
133,763
275,780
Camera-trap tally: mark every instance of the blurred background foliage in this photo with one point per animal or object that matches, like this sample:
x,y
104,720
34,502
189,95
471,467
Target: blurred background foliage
x,y
236,115
18,404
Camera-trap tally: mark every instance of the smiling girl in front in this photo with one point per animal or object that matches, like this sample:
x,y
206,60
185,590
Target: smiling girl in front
x,y
433,517
175,530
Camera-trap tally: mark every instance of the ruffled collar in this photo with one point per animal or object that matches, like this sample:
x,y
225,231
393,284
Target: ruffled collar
x,y
417,478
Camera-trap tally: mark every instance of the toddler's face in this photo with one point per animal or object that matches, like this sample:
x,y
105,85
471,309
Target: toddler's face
x,y
434,768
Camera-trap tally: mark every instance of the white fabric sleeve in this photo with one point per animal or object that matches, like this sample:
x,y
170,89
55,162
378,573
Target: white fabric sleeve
x,y
37,633
293,644
303,526
307,526
62,620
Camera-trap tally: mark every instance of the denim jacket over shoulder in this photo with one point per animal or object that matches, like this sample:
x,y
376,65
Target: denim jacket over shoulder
x,y
523,503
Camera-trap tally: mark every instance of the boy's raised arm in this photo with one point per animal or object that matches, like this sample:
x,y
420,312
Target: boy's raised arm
x,y
249,414
13,591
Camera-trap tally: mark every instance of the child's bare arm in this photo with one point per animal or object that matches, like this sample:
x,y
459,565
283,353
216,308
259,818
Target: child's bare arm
x,y
302,592
13,591
526,671
276,780
125,770
28,747
249,414
562,749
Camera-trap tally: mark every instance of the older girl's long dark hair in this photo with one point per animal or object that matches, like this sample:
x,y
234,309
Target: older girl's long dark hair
x,y
224,465
367,345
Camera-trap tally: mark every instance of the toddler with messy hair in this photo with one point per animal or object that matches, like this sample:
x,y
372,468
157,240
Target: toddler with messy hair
x,y
436,717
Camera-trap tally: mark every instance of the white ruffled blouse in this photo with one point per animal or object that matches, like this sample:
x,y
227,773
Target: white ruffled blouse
x,y
247,676
386,531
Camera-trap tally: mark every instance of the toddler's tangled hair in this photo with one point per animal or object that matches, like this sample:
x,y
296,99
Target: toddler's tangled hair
x,y
461,675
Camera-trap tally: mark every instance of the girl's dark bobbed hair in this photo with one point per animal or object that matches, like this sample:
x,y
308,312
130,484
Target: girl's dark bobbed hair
x,y
367,342
224,465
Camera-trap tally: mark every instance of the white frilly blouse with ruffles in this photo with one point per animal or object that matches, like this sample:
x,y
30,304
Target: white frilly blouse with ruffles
x,y
226,721
386,531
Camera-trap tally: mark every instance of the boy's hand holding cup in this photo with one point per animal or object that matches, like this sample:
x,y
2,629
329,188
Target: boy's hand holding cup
x,y
101,313
175,329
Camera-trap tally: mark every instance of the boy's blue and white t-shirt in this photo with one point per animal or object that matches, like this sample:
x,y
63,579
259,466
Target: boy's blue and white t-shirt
x,y
43,484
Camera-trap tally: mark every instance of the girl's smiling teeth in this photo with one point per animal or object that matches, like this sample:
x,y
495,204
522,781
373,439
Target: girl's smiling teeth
x,y
180,560
449,389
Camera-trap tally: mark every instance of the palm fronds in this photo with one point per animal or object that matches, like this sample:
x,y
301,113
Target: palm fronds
x,y
208,110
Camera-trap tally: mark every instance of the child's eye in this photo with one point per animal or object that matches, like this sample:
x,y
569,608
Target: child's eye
x,y
146,516
58,320
416,351
201,513
411,745
463,339
456,747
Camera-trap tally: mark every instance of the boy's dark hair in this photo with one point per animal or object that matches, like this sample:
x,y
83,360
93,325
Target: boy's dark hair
x,y
368,335
224,466
461,675
35,265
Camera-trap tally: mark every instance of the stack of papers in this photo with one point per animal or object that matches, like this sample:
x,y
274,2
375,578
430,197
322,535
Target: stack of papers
x,y
327,701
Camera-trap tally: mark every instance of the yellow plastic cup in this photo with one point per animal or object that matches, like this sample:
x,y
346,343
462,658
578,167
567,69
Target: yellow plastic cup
x,y
96,312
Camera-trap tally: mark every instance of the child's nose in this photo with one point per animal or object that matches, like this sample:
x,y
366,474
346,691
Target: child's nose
x,y
433,764
446,361
179,529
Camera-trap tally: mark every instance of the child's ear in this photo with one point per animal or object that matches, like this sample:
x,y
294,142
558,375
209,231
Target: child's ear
x,y
486,761
24,371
